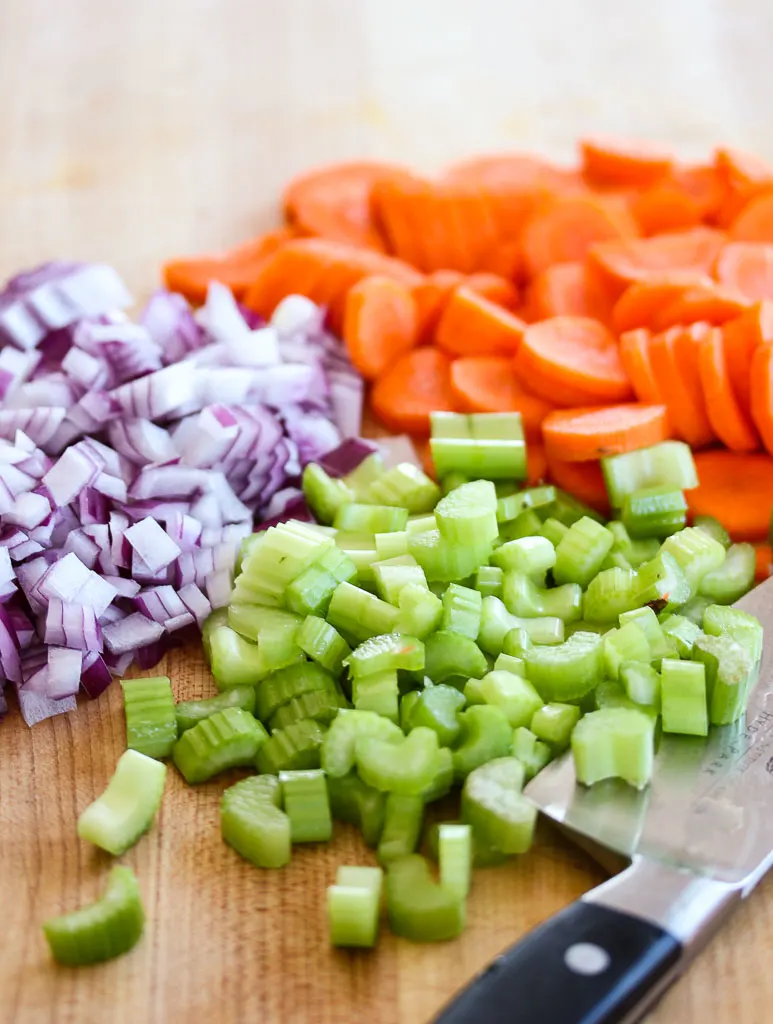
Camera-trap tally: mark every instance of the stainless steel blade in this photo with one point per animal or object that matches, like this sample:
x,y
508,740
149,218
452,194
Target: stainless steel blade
x,y
709,806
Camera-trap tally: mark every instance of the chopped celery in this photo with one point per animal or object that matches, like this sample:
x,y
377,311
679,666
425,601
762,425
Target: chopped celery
x,y
324,495
565,508
321,705
420,524
491,446
293,748
696,553
361,478
683,697
609,694
729,675
353,905
610,593
512,694
390,651
310,593
461,610
370,518
407,486
532,556
533,753
306,804
323,644
455,857
581,552
120,815
392,574
354,802
403,817
719,620
237,662
420,611
443,560
285,684
516,642
662,581
695,609
713,528
406,767
615,560
486,734
151,724
654,512
419,908
360,549
661,646
669,464
629,643
377,692
492,802
258,623
614,743
510,663
451,656
443,779
102,930
407,704
191,712
450,481
641,683
488,581
227,739
553,724
472,693
510,506
360,614
338,749
436,708
523,597
219,617
683,631
253,823
554,531
527,524
391,545
733,579
282,554
497,622
467,516
567,671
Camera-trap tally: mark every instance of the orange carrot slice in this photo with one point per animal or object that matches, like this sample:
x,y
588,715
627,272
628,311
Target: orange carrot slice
x,y
729,421
741,337
417,384
635,357
704,185
707,303
582,435
748,268
675,358
621,163
665,207
489,384
564,289
744,176
495,288
761,393
641,302
755,221
536,464
582,479
737,489
379,324
430,297
471,325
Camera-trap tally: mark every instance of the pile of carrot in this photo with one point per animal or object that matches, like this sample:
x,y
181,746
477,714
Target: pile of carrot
x,y
613,304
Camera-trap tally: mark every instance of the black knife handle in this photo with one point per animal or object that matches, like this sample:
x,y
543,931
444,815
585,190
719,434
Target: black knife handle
x,y
588,964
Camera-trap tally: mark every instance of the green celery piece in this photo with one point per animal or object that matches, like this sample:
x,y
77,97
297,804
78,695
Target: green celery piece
x,y
392,574
353,906
253,823
407,704
553,724
582,550
713,528
227,739
104,929
662,582
253,621
554,531
695,609
486,734
407,486
610,593
389,651
444,561
730,674
609,694
669,464
614,743
654,511
379,692
461,610
306,804
467,516
310,593
510,506
151,724
437,708
510,663
720,620
323,644
496,623
324,495
451,656
733,579
370,518
472,693
642,550
533,753
454,479
488,581
354,802
338,564
234,660
527,524
219,617
191,712
512,694
615,560
455,857
683,631
391,545
420,611
443,778
661,646
483,855
127,807
293,748
696,552
532,556
360,549
360,614
476,458
420,524
516,642
244,549
492,802
283,553
567,671
365,474
406,767
338,749
683,701
641,683
524,598
282,686
629,643
419,908
403,817
320,705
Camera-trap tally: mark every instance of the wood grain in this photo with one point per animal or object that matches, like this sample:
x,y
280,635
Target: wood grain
x,y
133,131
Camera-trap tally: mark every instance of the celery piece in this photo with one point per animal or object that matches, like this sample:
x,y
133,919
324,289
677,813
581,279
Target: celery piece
x,y
451,655
360,549
696,552
420,524
513,695
120,815
554,531
527,524
614,743
641,683
370,518
360,614
553,724
444,561
609,694
354,802
104,929
407,486
483,855
234,660
516,642
282,686
695,609
582,550
654,511
403,817
389,651
461,610
338,749
510,506
713,528
392,574
377,692
488,581
669,464
227,739
472,693
494,458
253,823
610,593
151,724
455,857
567,671
719,620
683,631
443,779
320,705
510,663
353,905
615,560
683,697
391,545
191,712
310,593
324,495
283,553
219,617
420,611
730,673
533,753
486,734
661,646
467,516
629,643
360,479
273,629
407,704
733,579
436,708
323,644
532,556
406,767
661,581
338,564
293,748
306,804
419,908
523,597
492,802
642,550
495,623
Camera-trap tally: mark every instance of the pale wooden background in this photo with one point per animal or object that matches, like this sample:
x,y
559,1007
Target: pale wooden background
x,y
132,131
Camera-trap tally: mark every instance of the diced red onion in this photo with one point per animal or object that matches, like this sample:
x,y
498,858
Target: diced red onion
x,y
170,323
297,315
36,708
131,633
95,675
195,601
219,585
64,672
347,456
153,545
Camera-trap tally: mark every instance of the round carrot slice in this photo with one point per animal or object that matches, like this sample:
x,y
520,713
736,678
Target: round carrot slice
x,y
641,302
414,386
731,424
755,221
489,384
379,324
622,162
471,325
635,357
581,435
748,268
675,358
737,489
761,394
582,479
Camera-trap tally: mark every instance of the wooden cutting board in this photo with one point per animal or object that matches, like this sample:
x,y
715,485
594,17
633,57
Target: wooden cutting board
x,y
133,131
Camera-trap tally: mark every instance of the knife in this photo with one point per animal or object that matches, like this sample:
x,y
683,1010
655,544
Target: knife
x,y
697,840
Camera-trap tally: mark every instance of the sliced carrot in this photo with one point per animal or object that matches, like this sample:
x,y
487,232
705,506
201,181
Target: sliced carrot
x,y
471,325
748,268
761,393
620,163
489,384
741,337
582,479
575,353
415,385
737,489
635,357
755,221
506,260
236,268
495,288
564,289
618,264
379,324
570,226
431,296
641,302
536,464
763,554
675,358
703,184
708,303
582,435
334,202
729,421
665,207
744,176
